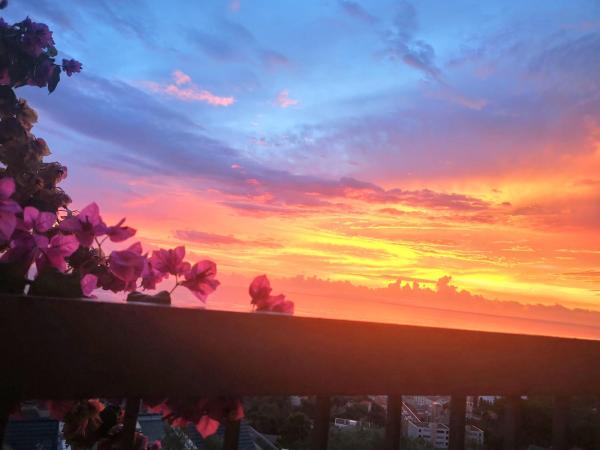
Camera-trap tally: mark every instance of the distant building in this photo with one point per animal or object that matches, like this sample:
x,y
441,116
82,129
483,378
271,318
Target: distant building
x,y
490,399
436,434
474,435
33,434
345,423
436,430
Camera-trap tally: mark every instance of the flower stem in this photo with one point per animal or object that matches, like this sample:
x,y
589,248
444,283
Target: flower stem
x,y
176,284
100,252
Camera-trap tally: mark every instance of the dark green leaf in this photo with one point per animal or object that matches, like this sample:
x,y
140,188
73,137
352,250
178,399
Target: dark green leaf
x,y
54,79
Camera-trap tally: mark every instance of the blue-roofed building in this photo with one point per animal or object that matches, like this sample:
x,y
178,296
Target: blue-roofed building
x,y
33,434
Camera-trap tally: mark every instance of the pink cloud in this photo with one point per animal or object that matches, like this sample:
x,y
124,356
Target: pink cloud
x,y
284,100
184,89
181,78
234,5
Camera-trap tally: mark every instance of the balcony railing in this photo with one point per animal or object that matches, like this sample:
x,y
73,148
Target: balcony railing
x,y
66,349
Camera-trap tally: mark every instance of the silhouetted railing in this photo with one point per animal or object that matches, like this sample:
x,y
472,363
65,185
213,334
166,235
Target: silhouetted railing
x,y
65,349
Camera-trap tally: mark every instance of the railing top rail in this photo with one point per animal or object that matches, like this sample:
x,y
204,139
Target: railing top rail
x,y
61,348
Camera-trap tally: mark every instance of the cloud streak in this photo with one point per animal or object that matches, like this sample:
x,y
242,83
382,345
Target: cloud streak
x,y
284,100
184,89
356,11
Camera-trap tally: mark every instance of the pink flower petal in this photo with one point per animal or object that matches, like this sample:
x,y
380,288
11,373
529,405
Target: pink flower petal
x,y
207,426
8,223
45,221
55,251
7,188
89,282
91,214
200,279
260,292
170,261
64,244
136,248
40,222
127,265
119,233
260,288
70,225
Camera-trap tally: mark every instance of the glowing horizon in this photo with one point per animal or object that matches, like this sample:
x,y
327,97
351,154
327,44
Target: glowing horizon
x,y
356,141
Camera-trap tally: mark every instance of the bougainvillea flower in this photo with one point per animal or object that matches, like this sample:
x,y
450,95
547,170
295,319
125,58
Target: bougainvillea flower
x,y
8,209
21,249
89,282
86,225
156,445
207,426
71,66
218,410
150,276
54,251
38,221
200,279
283,306
59,408
127,265
170,261
205,413
37,37
260,292
119,233
259,289
82,422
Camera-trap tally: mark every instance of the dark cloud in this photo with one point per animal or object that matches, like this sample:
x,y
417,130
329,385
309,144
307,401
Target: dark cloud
x,y
401,43
273,60
234,43
219,48
262,210
147,137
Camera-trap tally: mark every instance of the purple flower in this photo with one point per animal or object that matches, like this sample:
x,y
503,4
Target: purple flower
x,y
71,66
260,292
150,276
170,261
54,251
118,232
259,289
39,222
37,37
8,209
127,265
86,225
200,279
22,249
88,283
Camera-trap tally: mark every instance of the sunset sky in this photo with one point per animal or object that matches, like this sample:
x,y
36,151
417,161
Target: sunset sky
x,y
365,141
